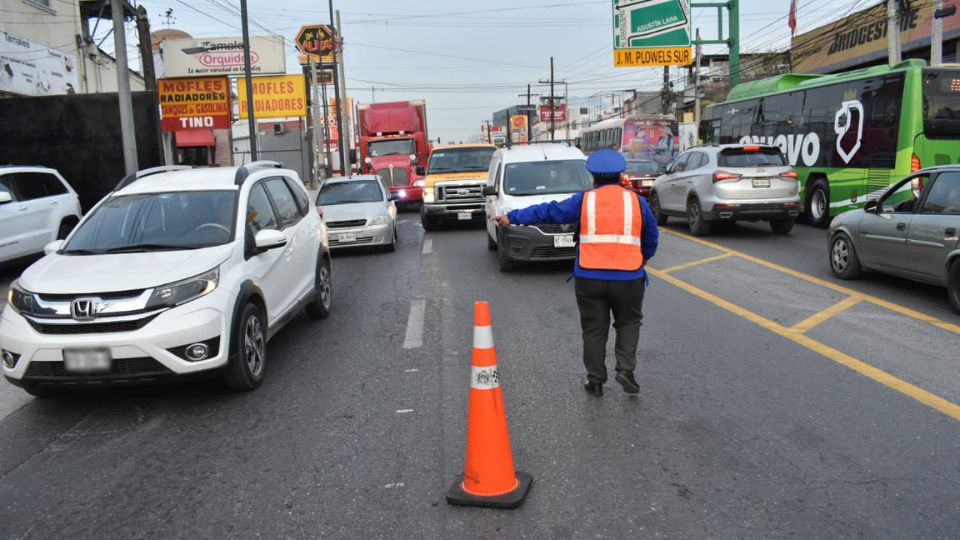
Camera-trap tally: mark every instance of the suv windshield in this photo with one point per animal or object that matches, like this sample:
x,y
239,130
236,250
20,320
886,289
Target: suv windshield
x,y
157,222
398,146
545,177
941,104
641,167
360,191
751,156
460,160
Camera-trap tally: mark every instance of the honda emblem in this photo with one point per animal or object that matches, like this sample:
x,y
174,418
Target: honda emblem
x,y
83,309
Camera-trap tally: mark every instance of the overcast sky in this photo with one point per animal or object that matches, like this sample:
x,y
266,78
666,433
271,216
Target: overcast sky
x,y
470,58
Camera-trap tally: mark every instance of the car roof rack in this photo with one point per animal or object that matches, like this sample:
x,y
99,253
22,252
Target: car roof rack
x,y
133,177
245,170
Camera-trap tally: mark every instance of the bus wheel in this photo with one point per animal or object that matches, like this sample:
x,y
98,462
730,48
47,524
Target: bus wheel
x,y
818,204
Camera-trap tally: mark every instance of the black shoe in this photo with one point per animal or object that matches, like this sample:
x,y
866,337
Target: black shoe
x,y
594,389
628,383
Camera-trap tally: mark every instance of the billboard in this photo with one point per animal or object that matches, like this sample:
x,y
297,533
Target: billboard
x,y
651,33
316,43
29,68
222,56
275,96
498,135
518,128
862,38
558,113
194,103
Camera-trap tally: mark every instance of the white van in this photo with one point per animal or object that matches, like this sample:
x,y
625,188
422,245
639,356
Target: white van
x,y
524,176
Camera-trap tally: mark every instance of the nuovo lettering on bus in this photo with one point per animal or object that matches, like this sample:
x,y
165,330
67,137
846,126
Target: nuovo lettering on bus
x,y
805,146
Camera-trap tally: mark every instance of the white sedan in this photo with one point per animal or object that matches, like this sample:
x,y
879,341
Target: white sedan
x,y
358,211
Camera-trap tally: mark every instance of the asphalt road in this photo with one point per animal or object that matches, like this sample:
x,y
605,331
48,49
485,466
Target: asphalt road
x,y
766,411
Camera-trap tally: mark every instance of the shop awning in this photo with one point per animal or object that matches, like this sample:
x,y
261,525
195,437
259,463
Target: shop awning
x,y
195,137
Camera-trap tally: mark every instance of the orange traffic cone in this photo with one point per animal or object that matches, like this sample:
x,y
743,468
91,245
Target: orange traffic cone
x,y
489,478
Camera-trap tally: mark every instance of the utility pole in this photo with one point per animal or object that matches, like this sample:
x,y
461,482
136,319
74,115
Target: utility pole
x,y
127,129
325,147
527,112
665,93
336,91
248,81
373,94
696,87
551,99
893,33
346,129
313,119
936,35
146,49
566,115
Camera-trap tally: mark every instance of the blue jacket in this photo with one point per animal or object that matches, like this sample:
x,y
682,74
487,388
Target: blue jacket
x,y
568,211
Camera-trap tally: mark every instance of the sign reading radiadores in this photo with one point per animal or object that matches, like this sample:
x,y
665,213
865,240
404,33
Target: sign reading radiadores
x,y
651,33
194,103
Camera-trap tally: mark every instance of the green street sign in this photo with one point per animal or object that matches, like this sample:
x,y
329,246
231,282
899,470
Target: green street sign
x,y
651,33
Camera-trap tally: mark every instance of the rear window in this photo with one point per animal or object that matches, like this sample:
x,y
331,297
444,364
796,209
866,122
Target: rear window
x,y
764,156
640,167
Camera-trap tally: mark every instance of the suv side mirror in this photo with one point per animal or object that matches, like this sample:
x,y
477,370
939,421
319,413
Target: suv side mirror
x,y
489,191
268,239
5,197
420,170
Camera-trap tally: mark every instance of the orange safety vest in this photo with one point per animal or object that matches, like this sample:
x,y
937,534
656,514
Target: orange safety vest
x,y
611,223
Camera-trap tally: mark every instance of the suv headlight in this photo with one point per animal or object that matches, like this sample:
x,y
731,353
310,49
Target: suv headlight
x,y
428,195
379,220
19,299
181,292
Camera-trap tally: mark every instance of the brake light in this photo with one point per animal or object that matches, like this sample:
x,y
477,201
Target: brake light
x,y
915,164
719,176
790,174
751,148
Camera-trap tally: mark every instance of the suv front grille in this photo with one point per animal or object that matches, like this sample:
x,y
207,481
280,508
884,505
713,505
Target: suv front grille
x,y
346,224
118,295
119,368
90,328
461,194
549,252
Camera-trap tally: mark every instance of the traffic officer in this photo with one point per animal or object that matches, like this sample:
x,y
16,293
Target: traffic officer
x,y
617,237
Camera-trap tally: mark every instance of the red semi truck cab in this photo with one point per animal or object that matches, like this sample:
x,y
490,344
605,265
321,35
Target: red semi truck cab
x,y
394,145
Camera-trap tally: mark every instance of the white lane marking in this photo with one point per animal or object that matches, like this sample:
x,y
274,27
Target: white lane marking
x,y
404,411
428,246
414,337
414,370
397,485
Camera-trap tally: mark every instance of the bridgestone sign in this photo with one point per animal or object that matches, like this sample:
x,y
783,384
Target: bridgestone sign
x,y
651,33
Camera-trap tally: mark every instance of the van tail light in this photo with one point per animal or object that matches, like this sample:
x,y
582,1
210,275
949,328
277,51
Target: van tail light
x,y
915,164
790,174
720,176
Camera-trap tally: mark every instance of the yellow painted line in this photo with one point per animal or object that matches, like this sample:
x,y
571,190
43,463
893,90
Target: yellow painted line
x,y
821,317
923,396
913,314
696,263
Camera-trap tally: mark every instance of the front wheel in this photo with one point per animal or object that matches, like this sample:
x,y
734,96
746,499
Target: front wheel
x,y
818,204
657,211
319,308
698,225
844,262
953,285
491,244
245,370
392,246
503,259
782,226
429,223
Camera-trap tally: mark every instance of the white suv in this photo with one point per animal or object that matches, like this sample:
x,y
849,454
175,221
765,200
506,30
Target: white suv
x,y
36,206
177,272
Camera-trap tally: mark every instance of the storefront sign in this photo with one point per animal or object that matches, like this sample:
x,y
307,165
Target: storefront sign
x,y
28,68
222,56
316,43
275,96
194,103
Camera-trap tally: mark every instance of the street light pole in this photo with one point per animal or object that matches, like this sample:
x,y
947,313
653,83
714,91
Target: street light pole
x,y
127,130
248,81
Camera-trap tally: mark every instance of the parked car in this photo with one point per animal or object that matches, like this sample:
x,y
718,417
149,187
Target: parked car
x,y
359,211
524,176
730,182
640,175
178,272
37,206
911,231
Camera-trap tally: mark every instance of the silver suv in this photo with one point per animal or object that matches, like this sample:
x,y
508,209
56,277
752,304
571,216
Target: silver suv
x,y
729,182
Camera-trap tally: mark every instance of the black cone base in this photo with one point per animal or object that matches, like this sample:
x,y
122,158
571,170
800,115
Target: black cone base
x,y
456,495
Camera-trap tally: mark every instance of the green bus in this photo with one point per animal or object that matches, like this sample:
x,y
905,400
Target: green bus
x,y
849,135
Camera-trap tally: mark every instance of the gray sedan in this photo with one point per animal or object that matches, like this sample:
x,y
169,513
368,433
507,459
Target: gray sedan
x,y
911,232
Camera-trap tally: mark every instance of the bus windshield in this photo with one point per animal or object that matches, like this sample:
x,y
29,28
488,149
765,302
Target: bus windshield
x,y
941,104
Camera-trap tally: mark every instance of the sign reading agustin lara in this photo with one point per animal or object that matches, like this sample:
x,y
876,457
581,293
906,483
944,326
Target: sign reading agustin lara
x,y
194,103
651,33
222,56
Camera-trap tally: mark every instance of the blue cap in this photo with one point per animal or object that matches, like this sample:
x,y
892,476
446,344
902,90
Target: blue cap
x,y
606,161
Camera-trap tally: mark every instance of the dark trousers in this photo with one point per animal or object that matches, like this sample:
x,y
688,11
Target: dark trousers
x,y
596,300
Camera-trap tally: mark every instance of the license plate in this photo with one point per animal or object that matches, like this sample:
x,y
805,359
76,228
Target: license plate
x,y
464,216
761,182
346,238
87,360
563,241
